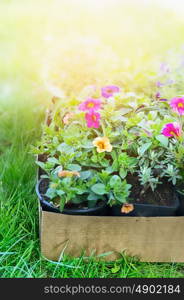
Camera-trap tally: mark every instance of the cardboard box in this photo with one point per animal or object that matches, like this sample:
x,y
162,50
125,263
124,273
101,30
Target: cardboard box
x,y
151,239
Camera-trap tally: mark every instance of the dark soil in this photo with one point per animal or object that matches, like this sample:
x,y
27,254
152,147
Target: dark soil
x,y
42,157
44,184
162,196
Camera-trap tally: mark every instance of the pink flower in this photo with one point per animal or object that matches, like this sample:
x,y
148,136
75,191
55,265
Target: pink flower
x,y
109,90
171,130
177,105
90,104
92,119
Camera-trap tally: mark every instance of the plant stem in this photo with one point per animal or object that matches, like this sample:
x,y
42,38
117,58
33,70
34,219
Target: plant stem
x,y
103,128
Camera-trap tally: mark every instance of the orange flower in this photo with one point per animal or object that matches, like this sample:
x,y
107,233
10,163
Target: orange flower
x,y
66,173
67,117
102,144
127,208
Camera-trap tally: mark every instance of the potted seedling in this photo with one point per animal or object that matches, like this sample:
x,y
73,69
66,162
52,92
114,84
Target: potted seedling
x,y
158,147
70,192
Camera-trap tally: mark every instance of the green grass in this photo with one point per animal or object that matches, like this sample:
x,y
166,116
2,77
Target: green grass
x,y
21,113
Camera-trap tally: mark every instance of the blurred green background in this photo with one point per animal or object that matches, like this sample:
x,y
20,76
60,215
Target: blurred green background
x,y
78,42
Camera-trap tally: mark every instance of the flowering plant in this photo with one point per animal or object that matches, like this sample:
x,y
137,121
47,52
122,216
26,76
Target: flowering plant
x,y
159,143
95,146
85,136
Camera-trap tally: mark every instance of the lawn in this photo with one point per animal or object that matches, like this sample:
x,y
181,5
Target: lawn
x,y
24,34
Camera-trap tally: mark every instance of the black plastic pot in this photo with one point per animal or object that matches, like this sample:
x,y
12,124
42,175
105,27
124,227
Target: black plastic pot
x,y
181,208
100,210
149,210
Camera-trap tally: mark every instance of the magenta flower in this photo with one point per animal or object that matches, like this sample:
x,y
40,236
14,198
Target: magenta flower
x,y
171,130
109,90
90,104
177,105
157,95
92,119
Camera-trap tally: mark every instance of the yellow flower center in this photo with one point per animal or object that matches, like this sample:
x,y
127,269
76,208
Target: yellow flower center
x,y
94,118
180,104
90,104
101,145
172,132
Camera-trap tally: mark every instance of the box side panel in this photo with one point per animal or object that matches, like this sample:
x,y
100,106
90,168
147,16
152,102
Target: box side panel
x,y
159,239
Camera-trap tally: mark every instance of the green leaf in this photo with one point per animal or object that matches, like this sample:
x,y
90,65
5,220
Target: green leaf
x,y
51,193
125,110
115,165
119,118
55,140
44,176
74,167
53,160
123,173
115,181
87,145
60,192
57,169
62,203
104,162
65,148
92,197
121,197
41,164
109,170
94,158
85,174
144,148
98,189
162,139
114,155
80,191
